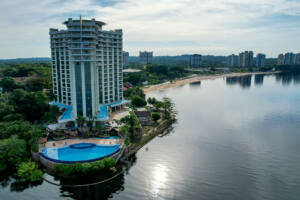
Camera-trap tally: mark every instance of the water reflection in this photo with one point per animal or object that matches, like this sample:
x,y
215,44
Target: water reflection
x,y
159,179
243,81
7,179
259,79
285,79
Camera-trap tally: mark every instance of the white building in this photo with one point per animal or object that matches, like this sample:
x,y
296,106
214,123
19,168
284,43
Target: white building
x,y
87,64
260,60
195,60
146,57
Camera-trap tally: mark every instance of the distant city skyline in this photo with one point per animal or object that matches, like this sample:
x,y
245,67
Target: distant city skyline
x,y
167,27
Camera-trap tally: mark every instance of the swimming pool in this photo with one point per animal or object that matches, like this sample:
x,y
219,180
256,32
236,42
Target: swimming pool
x,y
110,138
81,152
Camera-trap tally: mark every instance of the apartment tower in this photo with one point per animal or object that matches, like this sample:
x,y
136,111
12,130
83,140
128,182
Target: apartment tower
x,y
195,60
87,66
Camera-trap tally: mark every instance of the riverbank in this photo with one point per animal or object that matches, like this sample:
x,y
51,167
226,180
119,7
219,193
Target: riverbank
x,y
148,136
197,78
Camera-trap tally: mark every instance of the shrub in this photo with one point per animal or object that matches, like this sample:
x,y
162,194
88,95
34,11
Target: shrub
x,y
155,116
86,167
109,162
28,171
138,101
83,168
12,152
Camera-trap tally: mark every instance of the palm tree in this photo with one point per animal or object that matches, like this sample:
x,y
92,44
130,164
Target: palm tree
x,y
80,121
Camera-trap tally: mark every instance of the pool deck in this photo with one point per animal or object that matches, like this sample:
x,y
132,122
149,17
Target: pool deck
x,y
66,142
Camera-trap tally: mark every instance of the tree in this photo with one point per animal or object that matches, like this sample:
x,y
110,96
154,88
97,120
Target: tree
x,y
37,84
155,116
134,91
29,172
80,121
131,123
138,101
13,151
34,105
152,100
5,110
8,84
168,107
158,105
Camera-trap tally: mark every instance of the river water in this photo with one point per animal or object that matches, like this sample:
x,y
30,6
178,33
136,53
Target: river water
x,y
235,138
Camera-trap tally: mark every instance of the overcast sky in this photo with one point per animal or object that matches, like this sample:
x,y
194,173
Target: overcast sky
x,y
168,27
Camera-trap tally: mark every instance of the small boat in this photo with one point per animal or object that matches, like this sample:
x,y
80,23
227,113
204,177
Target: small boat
x,y
195,83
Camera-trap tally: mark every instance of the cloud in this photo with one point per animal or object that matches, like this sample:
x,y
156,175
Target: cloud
x,y
169,27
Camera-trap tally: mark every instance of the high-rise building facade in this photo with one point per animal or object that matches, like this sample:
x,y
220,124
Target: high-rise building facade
x,y
87,67
297,59
280,59
232,60
246,59
125,59
146,57
289,58
195,60
260,60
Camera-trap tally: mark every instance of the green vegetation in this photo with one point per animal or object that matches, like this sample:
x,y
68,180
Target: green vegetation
x,y
29,172
13,151
288,68
155,116
138,101
152,100
76,169
155,74
24,102
137,97
129,129
26,69
134,91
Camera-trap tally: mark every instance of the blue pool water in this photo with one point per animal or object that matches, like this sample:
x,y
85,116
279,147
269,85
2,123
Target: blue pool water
x,y
83,152
110,138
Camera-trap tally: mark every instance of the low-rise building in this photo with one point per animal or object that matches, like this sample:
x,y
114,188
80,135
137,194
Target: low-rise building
x,y
143,116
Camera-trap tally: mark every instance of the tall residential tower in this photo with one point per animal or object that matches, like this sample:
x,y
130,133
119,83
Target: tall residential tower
x,y
87,68
195,60
146,57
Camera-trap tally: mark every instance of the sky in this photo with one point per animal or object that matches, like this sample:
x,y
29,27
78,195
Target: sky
x,y
167,27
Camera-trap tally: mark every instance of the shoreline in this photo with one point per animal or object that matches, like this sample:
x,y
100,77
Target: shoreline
x,y
196,78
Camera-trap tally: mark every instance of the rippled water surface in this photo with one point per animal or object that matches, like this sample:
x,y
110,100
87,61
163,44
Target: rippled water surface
x,y
235,138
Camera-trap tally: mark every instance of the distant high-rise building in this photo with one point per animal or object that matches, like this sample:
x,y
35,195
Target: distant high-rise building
x,y
246,59
87,69
146,57
232,60
260,60
195,60
280,59
125,59
289,58
297,59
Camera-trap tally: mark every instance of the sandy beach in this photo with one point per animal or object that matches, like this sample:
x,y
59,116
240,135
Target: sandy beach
x,y
196,78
